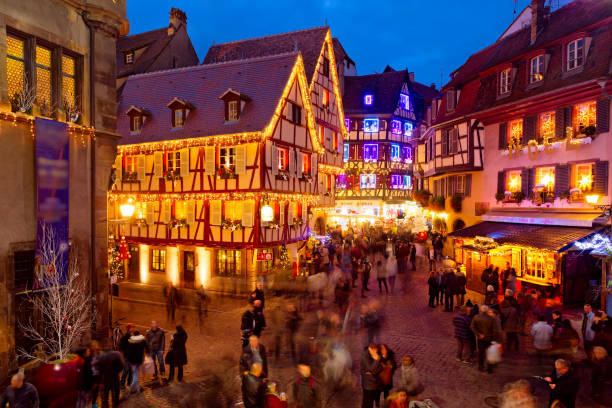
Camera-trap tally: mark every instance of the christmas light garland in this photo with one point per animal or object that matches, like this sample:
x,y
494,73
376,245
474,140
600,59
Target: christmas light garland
x,y
145,197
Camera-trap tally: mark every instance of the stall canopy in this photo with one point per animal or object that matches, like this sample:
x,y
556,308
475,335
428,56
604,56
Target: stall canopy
x,y
552,217
549,237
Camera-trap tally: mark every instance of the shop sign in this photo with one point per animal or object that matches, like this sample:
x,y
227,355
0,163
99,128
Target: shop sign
x,y
264,256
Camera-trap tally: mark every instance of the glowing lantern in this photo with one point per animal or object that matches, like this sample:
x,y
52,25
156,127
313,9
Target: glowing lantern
x,y
127,209
267,213
592,199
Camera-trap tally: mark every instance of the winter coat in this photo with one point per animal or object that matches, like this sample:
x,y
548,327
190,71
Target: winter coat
x,y
109,364
462,322
485,325
123,343
177,354
86,377
381,273
24,397
460,282
542,335
587,326
370,369
306,393
388,369
156,340
601,382
247,358
433,286
566,388
409,380
253,391
509,317
257,295
248,321
450,286
136,349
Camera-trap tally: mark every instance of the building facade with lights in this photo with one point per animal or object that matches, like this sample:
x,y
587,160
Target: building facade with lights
x,y
56,98
384,113
220,164
544,104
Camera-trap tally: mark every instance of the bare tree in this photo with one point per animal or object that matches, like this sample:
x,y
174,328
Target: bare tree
x,y
62,301
24,100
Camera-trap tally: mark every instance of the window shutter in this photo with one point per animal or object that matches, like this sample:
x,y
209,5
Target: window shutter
x,y
560,124
468,185
314,170
191,212
240,159
525,182
443,146
158,164
305,211
215,212
274,160
503,136
562,179
150,212
209,160
247,213
166,209
300,163
603,115
268,153
529,128
184,153
141,167
291,162
281,213
119,167
600,177
290,214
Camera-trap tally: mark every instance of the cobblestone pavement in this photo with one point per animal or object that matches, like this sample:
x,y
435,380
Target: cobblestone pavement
x,y
410,327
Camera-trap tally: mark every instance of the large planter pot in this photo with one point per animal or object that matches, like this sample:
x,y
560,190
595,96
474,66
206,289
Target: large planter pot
x,y
56,382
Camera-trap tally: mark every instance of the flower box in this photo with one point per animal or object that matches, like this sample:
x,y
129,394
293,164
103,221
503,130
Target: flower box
x,y
130,177
306,177
172,175
232,225
283,175
176,223
225,173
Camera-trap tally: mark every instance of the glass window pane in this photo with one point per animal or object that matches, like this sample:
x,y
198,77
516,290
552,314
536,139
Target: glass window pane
x,y
14,76
68,65
43,86
43,56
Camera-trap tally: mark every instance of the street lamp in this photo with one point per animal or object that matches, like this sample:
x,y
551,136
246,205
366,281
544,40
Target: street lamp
x,y
127,209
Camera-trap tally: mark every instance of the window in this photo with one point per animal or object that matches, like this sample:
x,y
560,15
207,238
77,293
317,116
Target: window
x,y
536,69
325,66
43,77
408,127
404,102
328,182
178,118
539,264
546,125
68,82
15,67
227,157
453,143
407,182
585,115
325,98
232,111
504,81
341,181
306,163
228,262
575,54
582,176
129,57
459,184
131,165
516,130
322,135
407,154
346,151
451,100
173,161
395,152
396,127
370,125
367,181
347,123
135,123
158,260
335,142
368,99
545,178
370,152
513,181
283,158
232,210
397,181
296,114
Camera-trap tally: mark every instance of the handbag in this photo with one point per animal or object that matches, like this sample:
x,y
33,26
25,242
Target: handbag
x,y
169,357
147,367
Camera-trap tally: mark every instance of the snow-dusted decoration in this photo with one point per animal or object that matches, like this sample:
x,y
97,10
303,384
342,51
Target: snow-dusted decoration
x,y
597,242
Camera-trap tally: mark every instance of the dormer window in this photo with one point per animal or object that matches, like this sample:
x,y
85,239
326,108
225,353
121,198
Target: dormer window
x,y
368,99
178,118
234,103
536,69
232,111
129,57
296,113
504,81
451,100
137,118
135,123
575,54
180,112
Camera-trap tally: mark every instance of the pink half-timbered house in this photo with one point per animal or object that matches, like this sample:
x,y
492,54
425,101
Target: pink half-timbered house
x,y
206,151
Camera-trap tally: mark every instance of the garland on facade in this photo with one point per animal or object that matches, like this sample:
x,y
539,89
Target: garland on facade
x,y
247,195
231,225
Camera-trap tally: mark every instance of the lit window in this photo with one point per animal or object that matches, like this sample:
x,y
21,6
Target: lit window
x,y
15,67
370,125
504,81
407,181
347,123
135,123
346,151
460,184
404,102
367,181
545,178
341,181
335,142
538,263
322,135
129,57
395,152
407,154
43,76
575,54
131,164
408,127
306,163
370,152
69,82
227,157
582,176
283,158
232,210
516,130
158,260
325,98
173,161
178,118
513,181
228,262
368,99
396,127
536,69
585,115
328,182
296,114
547,125
397,181
232,111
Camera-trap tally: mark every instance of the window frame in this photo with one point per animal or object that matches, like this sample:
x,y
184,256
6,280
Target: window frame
x,y
130,164
509,176
408,129
368,99
128,57
227,157
325,66
539,64
136,119
539,176
325,98
405,101
283,158
578,60
374,122
233,110
395,152
396,126
38,67
232,263
175,111
574,182
172,161
158,258
306,164
346,152
369,183
21,60
296,113
451,100
551,134
505,76
368,152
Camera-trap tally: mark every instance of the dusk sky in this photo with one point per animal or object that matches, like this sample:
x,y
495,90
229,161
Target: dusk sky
x,y
427,37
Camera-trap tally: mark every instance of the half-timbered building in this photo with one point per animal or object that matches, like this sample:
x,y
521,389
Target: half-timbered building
x,y
383,115
220,161
325,67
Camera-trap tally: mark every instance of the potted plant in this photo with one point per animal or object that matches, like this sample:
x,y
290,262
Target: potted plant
x,y
225,172
588,130
177,223
437,203
500,197
172,175
455,202
518,196
231,225
422,197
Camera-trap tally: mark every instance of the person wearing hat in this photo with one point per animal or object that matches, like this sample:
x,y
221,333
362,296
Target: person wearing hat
x,y
365,276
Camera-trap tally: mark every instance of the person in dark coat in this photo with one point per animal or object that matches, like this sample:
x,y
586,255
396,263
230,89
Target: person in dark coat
x,y
156,344
485,330
510,323
432,284
253,388
371,367
259,318
365,276
487,276
109,364
460,282
254,352
461,322
85,380
563,384
389,365
126,375
602,326
137,346
449,290
258,294
292,323
306,390
247,325
601,377
413,256
177,354
20,394
172,301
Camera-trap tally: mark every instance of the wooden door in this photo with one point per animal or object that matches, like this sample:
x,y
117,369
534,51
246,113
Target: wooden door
x,y
188,269
134,264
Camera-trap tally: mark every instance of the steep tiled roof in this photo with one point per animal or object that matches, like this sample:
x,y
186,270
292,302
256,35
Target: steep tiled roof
x,y
309,42
262,79
155,40
340,52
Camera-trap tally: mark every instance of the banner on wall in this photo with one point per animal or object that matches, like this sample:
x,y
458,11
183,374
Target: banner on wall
x,y
53,183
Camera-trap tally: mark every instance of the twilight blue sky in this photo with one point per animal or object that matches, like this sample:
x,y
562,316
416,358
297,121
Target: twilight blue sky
x,y
425,36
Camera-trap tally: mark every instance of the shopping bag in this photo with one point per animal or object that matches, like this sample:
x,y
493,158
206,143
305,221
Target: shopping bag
x,y
494,353
147,367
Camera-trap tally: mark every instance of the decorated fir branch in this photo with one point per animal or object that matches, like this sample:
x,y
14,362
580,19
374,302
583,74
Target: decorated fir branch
x,y
231,225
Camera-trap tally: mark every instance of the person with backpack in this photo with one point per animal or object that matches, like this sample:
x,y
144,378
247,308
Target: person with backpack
x,y
306,390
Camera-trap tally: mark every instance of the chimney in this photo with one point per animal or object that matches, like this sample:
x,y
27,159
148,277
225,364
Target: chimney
x,y
411,76
177,17
433,85
537,18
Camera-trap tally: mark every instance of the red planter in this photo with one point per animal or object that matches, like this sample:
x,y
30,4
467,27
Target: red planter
x,y
57,383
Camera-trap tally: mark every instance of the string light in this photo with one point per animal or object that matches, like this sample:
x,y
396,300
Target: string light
x,y
81,133
598,242
330,169
147,197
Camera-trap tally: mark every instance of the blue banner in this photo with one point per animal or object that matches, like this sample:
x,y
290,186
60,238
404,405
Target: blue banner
x,y
53,195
